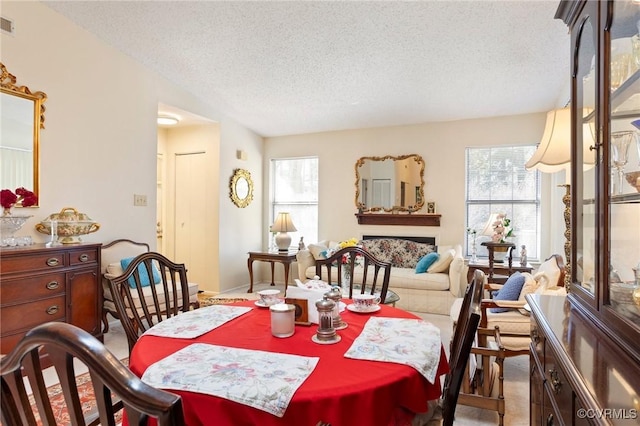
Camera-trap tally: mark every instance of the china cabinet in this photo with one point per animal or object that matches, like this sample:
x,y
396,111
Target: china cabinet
x,y
582,352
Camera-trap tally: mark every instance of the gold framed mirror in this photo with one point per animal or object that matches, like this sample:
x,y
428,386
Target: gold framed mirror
x,y
390,183
21,121
241,188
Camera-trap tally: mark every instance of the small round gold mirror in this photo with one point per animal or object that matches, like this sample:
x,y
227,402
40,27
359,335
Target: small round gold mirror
x,y
241,188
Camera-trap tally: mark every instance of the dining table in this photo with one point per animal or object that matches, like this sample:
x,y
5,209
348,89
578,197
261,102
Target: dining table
x,y
339,390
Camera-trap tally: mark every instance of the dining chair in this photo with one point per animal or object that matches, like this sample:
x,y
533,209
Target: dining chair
x,y
151,289
111,258
373,279
115,386
460,346
461,343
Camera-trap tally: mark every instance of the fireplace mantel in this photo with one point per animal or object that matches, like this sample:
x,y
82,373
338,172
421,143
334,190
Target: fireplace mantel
x,y
398,219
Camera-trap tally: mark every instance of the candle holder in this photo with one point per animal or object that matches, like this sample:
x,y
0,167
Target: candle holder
x,y
335,294
326,333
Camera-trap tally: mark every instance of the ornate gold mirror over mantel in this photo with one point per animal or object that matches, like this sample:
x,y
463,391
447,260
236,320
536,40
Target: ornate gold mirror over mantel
x,y
390,184
241,188
21,121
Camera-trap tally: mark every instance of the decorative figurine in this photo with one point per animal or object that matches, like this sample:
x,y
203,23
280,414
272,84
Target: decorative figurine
x,y
301,245
523,255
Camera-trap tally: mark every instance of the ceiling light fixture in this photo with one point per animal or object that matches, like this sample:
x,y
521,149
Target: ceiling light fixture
x,y
166,120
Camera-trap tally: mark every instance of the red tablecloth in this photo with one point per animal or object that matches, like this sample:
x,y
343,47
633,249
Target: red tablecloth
x,y
340,390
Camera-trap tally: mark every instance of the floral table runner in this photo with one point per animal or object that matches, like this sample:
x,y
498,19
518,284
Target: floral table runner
x,y
263,380
197,322
412,342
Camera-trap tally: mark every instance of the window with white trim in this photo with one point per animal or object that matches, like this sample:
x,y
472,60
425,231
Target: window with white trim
x,y
497,182
295,190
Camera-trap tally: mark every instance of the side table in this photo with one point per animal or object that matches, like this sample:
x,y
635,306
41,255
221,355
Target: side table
x,y
499,272
272,257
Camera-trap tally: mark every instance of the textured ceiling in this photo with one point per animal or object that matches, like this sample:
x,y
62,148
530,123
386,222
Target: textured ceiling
x,y
298,67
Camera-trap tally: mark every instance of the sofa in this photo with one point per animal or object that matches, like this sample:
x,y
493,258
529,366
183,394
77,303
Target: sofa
x,y
433,291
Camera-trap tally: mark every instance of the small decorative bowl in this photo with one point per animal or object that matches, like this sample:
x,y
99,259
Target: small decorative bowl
x,y
634,179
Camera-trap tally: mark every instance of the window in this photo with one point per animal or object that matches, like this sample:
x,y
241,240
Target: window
x,y
295,190
497,182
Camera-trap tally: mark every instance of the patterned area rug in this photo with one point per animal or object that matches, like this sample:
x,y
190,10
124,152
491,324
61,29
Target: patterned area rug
x,y
87,398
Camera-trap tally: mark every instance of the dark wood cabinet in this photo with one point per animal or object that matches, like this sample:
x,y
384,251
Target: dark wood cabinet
x,y
39,284
578,376
585,364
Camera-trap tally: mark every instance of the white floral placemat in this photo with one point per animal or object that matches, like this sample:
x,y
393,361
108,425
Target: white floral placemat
x,y
406,341
263,380
195,323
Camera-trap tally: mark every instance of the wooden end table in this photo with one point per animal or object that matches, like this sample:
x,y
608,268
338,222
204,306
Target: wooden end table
x,y
284,257
499,273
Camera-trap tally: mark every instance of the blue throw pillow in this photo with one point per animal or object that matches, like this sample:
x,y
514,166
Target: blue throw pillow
x,y
509,291
142,271
426,261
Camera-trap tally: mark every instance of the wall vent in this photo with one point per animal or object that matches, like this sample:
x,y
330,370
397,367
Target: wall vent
x,y
6,26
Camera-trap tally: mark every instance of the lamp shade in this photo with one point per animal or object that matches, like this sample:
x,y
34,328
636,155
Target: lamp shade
x,y
488,227
282,225
554,151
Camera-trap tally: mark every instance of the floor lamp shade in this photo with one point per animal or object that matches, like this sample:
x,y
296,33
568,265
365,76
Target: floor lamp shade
x,y
282,225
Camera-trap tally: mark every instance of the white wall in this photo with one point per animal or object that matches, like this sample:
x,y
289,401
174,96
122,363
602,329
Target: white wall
x,y
442,146
99,145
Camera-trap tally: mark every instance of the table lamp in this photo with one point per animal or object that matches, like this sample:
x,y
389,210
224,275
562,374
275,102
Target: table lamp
x,y
282,225
554,154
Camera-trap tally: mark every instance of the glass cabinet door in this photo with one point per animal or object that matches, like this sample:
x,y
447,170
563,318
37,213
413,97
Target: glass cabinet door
x,y
623,163
587,74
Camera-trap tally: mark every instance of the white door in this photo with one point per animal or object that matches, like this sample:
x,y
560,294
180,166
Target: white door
x,y
382,193
190,217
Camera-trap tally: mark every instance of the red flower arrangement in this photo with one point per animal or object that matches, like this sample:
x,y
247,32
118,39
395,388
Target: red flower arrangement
x,y
8,199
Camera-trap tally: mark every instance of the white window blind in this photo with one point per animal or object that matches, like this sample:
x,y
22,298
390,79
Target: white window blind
x,y
497,182
295,190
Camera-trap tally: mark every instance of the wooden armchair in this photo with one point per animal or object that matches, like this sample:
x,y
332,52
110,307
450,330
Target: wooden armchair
x,y
115,386
514,324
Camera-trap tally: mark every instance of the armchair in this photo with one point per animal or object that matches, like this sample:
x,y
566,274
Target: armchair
x,y
514,323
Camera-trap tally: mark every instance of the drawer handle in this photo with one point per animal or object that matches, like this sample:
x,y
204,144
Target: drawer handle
x,y
84,257
550,420
52,310
53,262
555,381
53,285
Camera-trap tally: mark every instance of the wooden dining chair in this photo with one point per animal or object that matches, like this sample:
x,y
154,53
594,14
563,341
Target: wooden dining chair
x,y
151,289
461,344
115,386
374,277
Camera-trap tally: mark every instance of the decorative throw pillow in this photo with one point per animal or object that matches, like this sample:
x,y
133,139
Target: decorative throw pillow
x,y
530,286
425,262
509,291
142,272
318,251
443,262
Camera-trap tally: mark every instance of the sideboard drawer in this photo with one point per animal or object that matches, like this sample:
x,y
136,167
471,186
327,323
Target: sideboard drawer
x,y
26,316
559,388
22,290
33,263
83,257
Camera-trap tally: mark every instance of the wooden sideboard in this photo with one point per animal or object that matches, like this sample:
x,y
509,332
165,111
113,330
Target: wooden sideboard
x,y
39,284
578,375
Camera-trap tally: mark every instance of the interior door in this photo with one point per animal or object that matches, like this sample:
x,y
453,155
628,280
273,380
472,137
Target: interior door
x,y
190,217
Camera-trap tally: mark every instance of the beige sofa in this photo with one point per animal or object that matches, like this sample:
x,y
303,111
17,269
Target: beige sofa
x,y
432,292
